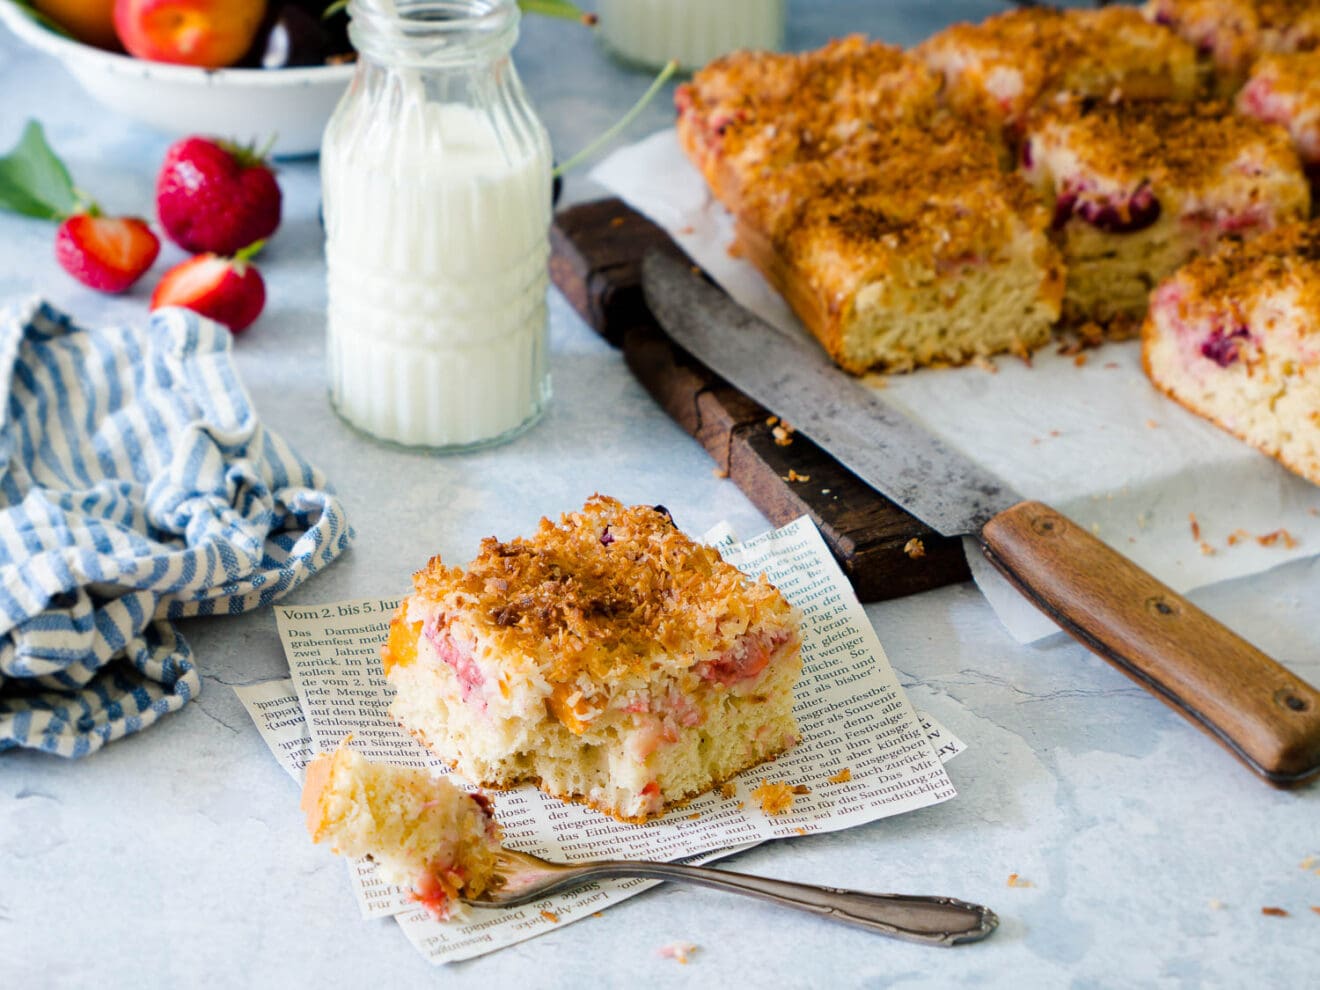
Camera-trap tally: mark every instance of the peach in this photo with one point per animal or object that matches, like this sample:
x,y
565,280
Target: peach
x,y
207,33
90,21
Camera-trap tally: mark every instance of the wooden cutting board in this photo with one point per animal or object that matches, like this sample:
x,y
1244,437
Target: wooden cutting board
x,y
597,249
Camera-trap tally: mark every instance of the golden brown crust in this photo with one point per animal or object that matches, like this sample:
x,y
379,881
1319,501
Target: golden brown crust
x,y
608,592
997,70
753,110
1183,146
1242,270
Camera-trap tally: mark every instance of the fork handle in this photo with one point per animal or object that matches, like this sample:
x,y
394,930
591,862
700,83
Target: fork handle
x,y
928,920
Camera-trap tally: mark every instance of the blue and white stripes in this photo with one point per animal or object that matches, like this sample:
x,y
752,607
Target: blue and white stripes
x,y
136,486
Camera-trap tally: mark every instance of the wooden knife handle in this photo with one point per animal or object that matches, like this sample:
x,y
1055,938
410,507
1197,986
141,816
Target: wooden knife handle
x,y
1265,715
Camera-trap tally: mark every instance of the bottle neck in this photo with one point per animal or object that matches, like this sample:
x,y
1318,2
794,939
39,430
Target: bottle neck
x,y
427,34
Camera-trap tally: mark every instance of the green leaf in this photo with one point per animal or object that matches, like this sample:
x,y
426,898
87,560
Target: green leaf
x,y
556,8
33,181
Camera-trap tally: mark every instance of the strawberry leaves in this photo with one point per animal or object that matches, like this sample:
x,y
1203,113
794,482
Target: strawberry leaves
x,y
33,180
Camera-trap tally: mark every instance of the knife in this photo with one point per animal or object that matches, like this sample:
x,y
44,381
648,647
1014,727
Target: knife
x,y
1264,714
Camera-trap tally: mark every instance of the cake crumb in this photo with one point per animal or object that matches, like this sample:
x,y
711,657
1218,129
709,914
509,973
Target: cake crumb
x,y
1080,360
771,420
720,472
842,777
1207,549
1152,424
597,914
1274,912
1307,863
794,476
616,222
681,952
783,434
1237,536
776,797
687,230
1216,904
694,816
728,789
800,831
914,548
1315,908
551,917
1016,881
1196,526
985,364
1269,539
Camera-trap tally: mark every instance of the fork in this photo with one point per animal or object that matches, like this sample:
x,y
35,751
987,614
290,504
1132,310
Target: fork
x,y
521,878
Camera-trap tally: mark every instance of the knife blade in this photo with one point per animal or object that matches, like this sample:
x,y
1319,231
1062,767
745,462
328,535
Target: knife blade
x,y
1259,710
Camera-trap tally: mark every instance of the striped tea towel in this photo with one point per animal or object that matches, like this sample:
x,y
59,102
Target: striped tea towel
x,y
136,487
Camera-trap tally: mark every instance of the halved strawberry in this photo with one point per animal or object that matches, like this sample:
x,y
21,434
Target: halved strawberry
x,y
106,253
227,290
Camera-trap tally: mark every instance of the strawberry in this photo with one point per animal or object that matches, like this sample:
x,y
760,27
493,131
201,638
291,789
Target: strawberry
x,y
215,197
227,290
106,253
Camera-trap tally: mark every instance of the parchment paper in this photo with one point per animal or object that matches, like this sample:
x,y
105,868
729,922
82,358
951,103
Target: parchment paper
x,y
853,713
1177,495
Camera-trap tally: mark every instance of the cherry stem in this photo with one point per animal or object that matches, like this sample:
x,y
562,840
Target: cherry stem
x,y
670,68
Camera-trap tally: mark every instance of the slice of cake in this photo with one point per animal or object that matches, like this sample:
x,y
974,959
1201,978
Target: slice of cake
x,y
909,247
1236,338
422,832
1285,89
609,658
749,112
995,72
1230,34
1140,188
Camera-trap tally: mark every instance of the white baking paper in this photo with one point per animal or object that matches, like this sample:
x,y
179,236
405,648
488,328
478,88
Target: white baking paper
x,y
1181,498
850,706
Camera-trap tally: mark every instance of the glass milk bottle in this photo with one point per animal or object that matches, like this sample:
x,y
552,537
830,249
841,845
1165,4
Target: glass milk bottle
x,y
651,32
435,176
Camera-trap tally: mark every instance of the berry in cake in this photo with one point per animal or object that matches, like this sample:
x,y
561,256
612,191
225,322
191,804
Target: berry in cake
x,y
1138,189
1230,34
422,832
910,247
1284,89
609,658
996,71
1235,337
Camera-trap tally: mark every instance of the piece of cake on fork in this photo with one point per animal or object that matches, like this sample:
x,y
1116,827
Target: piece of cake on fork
x,y
422,832
1138,189
609,658
1235,337
997,71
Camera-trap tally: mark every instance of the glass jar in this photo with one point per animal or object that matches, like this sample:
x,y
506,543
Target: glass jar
x,y
651,32
435,178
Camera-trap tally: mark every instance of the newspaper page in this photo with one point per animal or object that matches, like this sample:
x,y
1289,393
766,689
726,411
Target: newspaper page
x,y
853,714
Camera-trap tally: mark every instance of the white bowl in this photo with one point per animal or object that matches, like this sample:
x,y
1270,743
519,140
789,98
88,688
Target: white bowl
x,y
244,104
